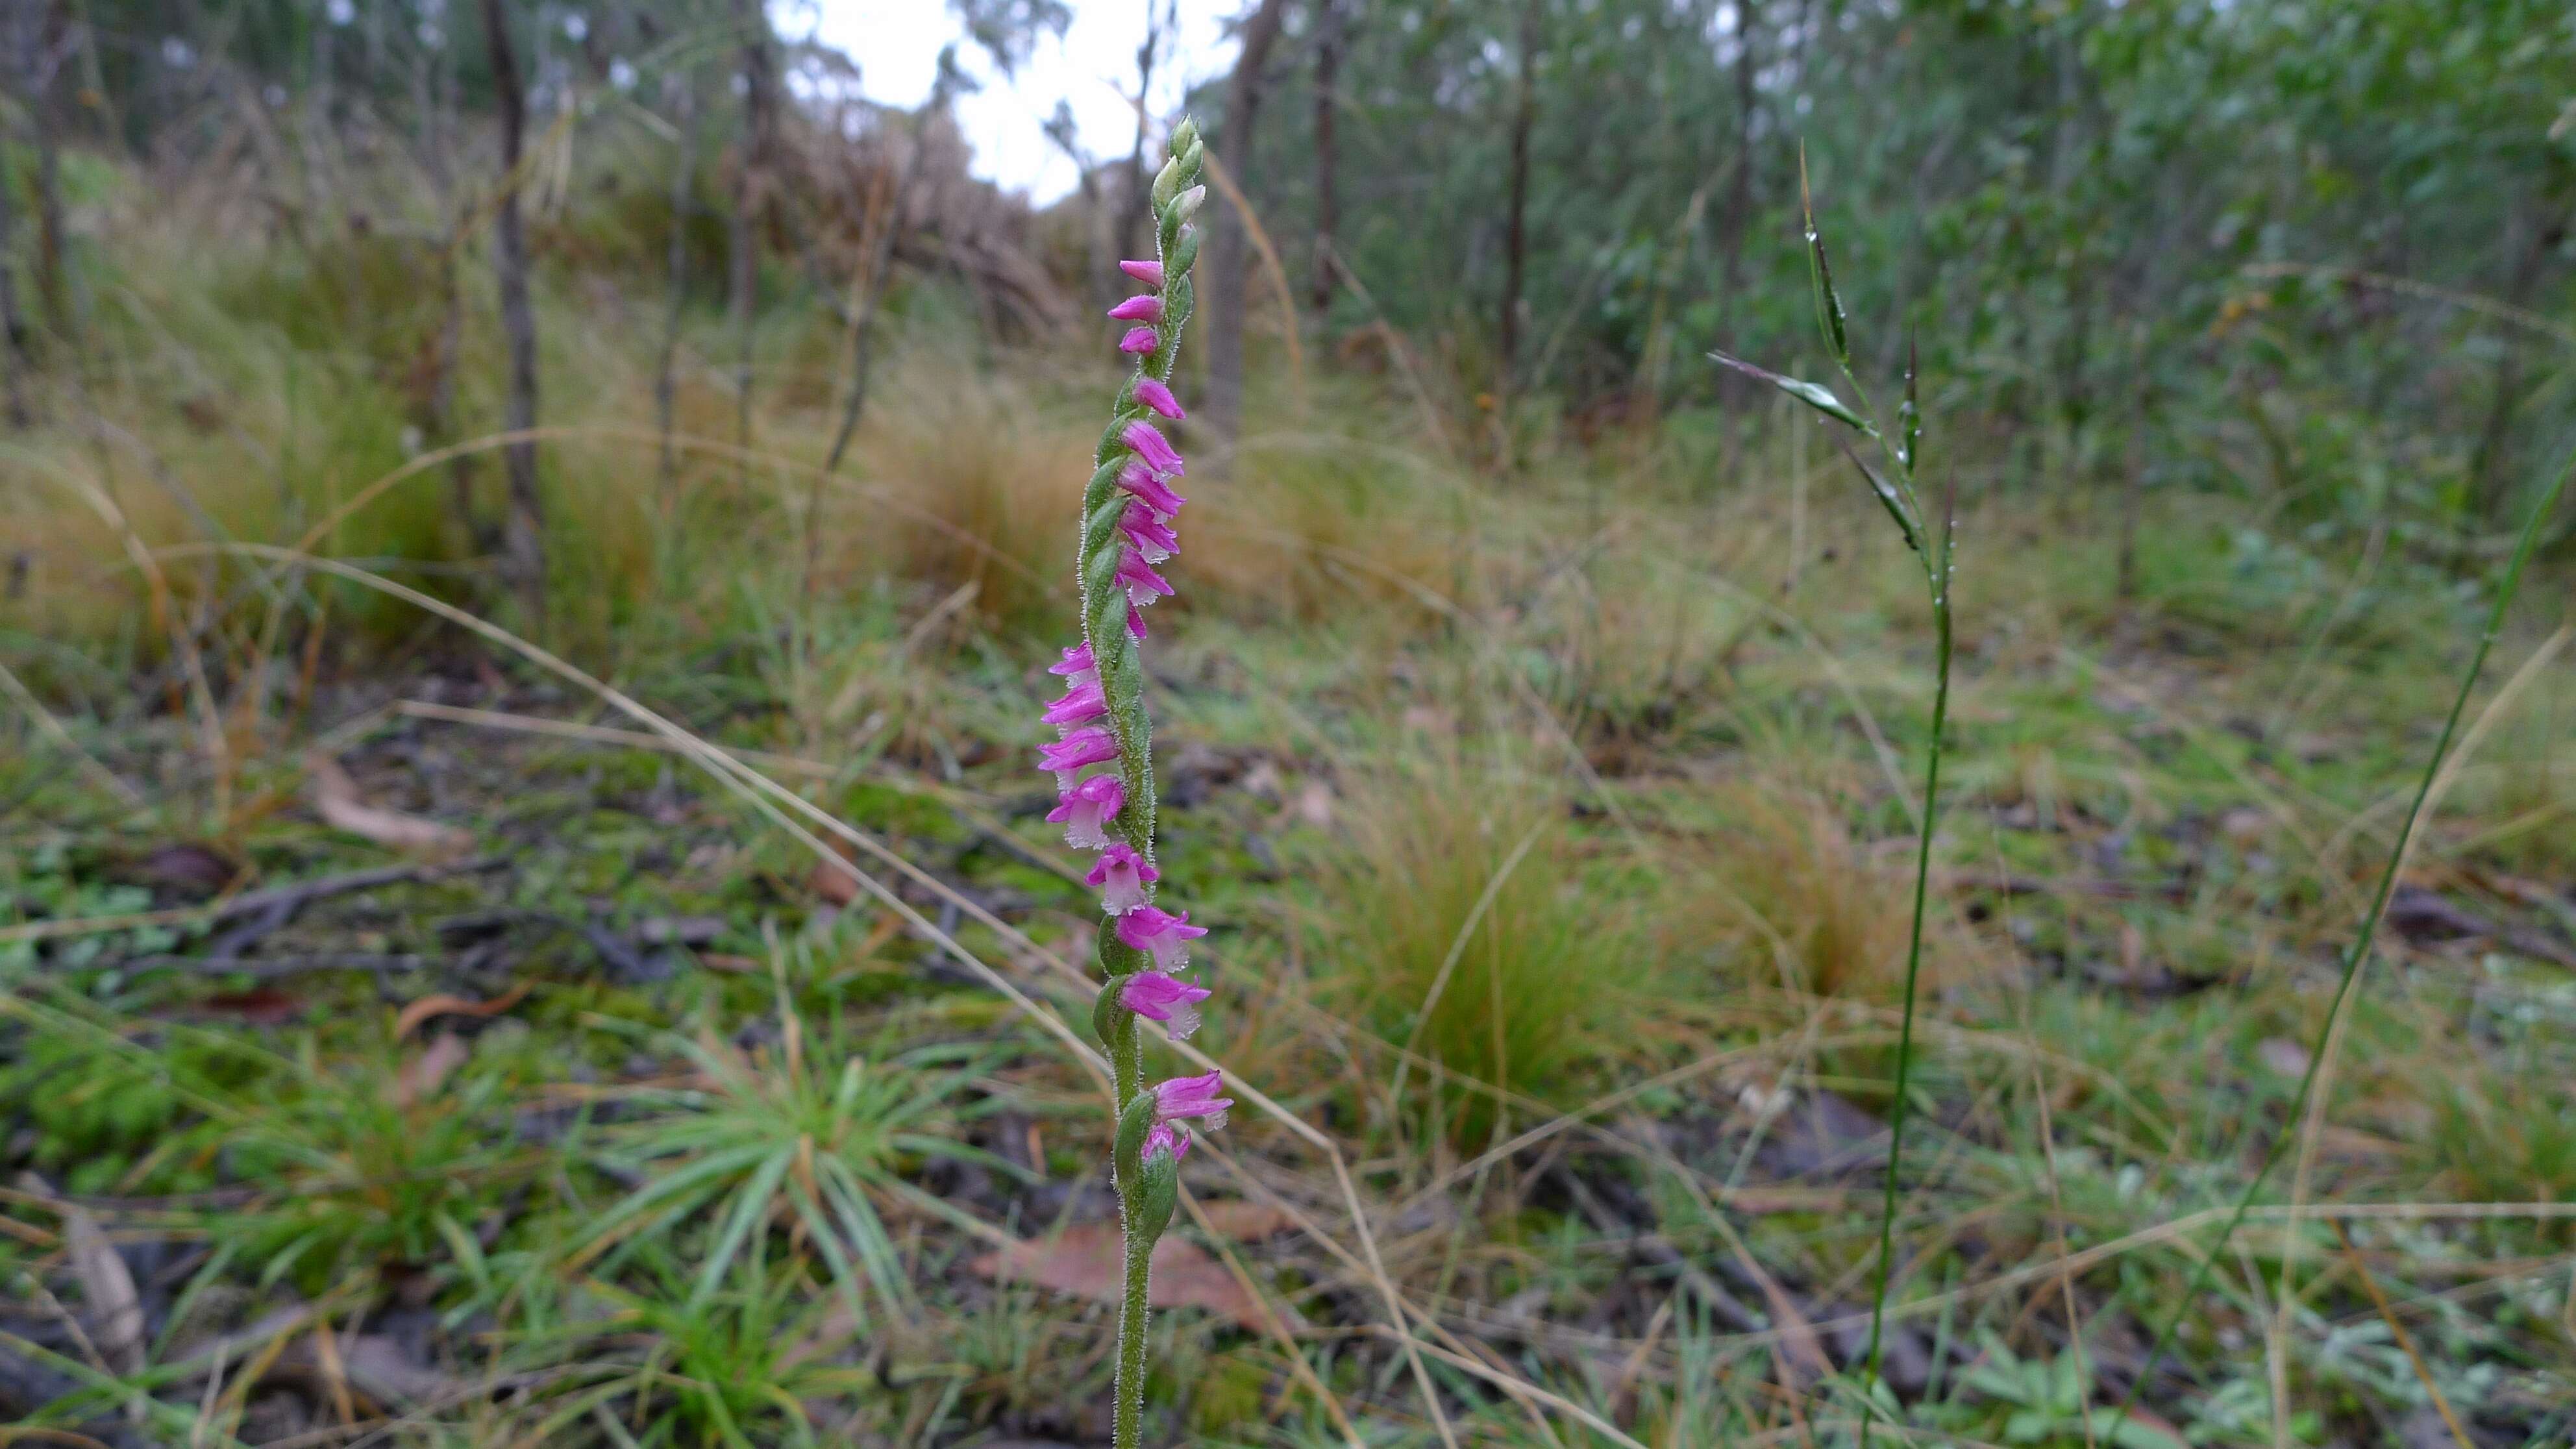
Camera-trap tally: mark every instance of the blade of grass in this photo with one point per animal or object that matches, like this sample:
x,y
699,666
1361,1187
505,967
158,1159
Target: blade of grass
x,y
751,1204
2541,508
2405,1340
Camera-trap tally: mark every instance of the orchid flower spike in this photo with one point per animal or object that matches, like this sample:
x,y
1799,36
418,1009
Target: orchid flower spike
x,y
1086,809
1164,935
1166,999
1122,876
1128,508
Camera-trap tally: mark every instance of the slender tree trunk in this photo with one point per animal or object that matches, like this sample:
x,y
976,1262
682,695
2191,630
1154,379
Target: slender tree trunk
x,y
665,381
2487,473
870,285
1222,273
2133,492
1739,206
1100,228
434,84
14,362
442,384
880,266
1516,220
1131,206
744,236
51,244
1329,37
524,549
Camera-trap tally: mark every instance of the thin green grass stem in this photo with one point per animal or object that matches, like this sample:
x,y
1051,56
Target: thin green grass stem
x,y
2360,951
1913,975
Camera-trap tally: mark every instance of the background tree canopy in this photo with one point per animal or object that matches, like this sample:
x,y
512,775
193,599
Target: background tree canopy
x,y
2354,216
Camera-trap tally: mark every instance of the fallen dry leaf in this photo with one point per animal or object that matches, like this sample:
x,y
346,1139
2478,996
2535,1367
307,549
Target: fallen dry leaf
x,y
335,798
115,1309
1084,1260
188,869
1246,1222
444,1005
834,885
422,1074
1314,805
263,1005
375,1365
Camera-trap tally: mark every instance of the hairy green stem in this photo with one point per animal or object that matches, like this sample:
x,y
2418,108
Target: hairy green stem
x,y
1127,1416
1129,1410
2360,951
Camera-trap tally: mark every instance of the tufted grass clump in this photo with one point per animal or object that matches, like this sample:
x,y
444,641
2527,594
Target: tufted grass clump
x,y
1462,933
813,1139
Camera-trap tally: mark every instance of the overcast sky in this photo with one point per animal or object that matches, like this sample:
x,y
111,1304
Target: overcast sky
x,y
896,44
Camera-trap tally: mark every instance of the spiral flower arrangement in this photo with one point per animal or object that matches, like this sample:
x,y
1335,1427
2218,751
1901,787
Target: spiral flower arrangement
x,y
1102,758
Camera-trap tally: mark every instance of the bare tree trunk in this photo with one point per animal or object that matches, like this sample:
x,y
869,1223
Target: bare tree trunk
x,y
744,239
1131,205
434,86
14,362
2133,490
665,382
442,383
524,548
880,266
1100,238
1221,275
51,244
1516,221
1329,38
1739,206
2487,473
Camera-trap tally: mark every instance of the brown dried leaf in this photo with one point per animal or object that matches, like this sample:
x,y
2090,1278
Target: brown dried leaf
x,y
336,800
1084,1260
833,884
423,1074
444,1005
115,1309
263,1005
377,1366
188,869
